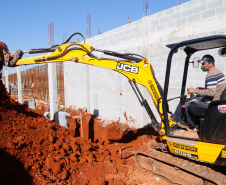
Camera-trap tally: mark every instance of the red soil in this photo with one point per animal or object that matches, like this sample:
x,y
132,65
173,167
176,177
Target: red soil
x,y
34,150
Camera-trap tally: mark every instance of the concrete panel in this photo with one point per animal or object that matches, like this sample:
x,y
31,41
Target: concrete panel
x,y
170,11
220,10
200,8
205,1
187,12
164,20
176,15
191,4
208,13
215,4
193,18
181,21
155,22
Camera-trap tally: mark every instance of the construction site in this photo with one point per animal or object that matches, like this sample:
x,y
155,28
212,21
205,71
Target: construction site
x,y
35,150
35,84
133,119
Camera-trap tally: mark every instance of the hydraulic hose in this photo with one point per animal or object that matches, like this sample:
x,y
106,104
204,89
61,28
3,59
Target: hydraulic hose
x,y
77,33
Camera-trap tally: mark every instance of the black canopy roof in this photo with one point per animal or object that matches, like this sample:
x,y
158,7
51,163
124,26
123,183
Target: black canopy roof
x,y
199,44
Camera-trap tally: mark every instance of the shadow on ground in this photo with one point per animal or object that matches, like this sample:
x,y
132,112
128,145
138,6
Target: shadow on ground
x,y
12,171
131,135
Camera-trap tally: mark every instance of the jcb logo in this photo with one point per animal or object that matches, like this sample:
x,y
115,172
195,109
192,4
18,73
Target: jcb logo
x,y
128,68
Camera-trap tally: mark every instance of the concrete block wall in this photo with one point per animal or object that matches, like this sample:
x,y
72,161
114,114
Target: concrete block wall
x,y
109,95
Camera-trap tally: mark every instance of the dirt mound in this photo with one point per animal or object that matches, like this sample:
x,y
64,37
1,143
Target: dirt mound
x,y
34,150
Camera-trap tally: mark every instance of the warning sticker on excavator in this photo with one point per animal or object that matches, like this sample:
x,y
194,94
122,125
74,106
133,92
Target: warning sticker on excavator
x,y
153,89
223,154
184,147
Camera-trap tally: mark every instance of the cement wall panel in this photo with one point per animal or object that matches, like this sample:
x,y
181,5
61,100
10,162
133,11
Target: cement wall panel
x,y
221,10
155,22
200,8
205,1
208,13
170,11
195,17
215,4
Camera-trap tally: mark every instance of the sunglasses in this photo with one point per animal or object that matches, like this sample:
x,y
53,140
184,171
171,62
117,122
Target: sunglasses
x,y
202,62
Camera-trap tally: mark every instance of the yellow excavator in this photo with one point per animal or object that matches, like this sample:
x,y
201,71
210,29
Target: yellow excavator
x,y
182,157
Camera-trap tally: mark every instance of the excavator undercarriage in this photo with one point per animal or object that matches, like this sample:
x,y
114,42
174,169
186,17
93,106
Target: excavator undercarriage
x,y
176,170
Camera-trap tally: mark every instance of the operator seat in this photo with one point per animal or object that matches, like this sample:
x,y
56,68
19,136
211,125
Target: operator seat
x,y
214,127
197,107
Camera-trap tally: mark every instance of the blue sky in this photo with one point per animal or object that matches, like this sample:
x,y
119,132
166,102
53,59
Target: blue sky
x,y
24,24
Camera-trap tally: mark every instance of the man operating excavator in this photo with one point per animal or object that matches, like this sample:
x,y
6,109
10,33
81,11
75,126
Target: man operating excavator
x,y
215,80
214,85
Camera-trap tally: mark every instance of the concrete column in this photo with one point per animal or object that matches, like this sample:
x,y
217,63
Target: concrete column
x,y
87,89
65,83
52,77
19,85
6,79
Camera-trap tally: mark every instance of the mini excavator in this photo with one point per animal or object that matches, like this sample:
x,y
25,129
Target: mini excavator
x,y
179,158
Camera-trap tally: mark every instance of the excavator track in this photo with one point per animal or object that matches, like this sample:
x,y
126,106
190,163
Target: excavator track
x,y
175,170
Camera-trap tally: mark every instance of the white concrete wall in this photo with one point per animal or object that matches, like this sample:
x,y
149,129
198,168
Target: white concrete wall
x,y
110,92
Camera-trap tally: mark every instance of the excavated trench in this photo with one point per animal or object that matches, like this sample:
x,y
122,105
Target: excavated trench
x,y
34,150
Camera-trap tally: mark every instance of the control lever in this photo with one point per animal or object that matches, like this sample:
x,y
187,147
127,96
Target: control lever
x,y
192,96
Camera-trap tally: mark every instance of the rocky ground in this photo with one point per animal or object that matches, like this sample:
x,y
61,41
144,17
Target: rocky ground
x,y
34,150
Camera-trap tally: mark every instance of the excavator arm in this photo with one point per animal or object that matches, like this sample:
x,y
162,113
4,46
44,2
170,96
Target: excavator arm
x,y
136,68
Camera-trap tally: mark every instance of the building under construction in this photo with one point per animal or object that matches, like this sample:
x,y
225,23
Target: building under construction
x,y
35,83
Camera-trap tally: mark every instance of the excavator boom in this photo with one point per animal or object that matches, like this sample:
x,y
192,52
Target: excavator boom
x,y
136,68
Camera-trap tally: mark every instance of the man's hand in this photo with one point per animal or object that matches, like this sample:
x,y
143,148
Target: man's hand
x,y
190,90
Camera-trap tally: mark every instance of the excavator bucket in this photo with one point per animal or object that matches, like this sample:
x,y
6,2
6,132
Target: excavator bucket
x,y
7,58
14,57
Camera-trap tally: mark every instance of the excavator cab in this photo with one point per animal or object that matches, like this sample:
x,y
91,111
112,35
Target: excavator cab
x,y
211,116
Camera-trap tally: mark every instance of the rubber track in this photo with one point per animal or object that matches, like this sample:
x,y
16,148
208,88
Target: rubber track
x,y
203,172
